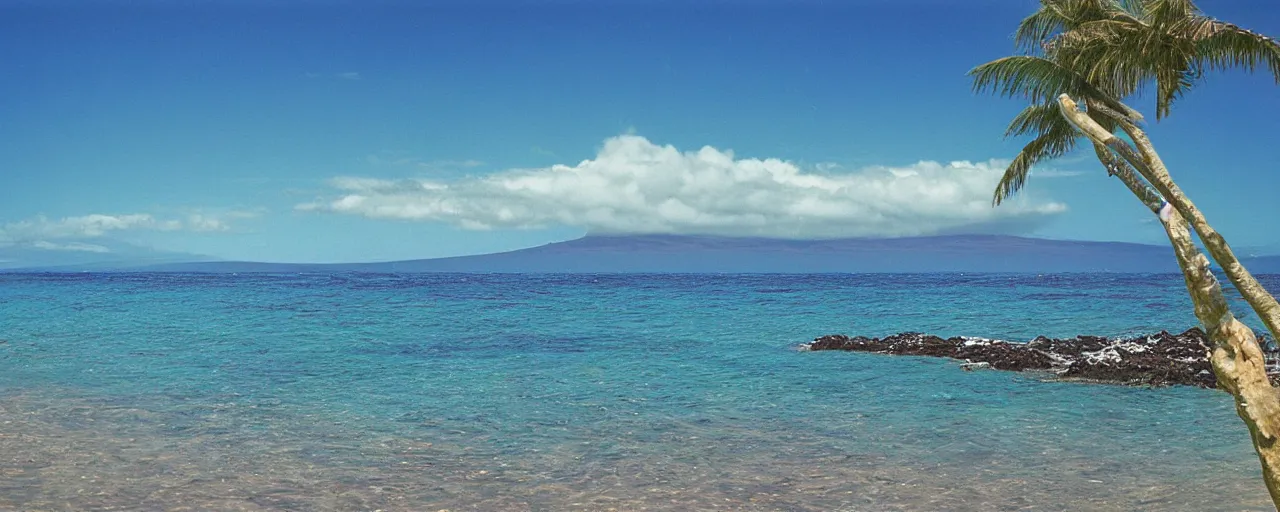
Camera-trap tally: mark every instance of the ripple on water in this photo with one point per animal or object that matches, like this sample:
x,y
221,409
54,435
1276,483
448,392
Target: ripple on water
x,y
586,393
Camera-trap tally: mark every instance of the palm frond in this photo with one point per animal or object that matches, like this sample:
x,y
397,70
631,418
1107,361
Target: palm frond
x,y
1101,52
1058,17
1040,80
1057,140
1038,118
1221,46
1171,83
1134,9
1124,57
1163,12
1093,31
1038,27
1107,52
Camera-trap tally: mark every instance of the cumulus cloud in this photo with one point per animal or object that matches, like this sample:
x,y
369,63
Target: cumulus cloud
x,y
636,186
40,230
84,226
198,222
70,246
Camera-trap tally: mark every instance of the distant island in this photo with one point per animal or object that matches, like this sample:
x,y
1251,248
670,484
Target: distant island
x,y
712,254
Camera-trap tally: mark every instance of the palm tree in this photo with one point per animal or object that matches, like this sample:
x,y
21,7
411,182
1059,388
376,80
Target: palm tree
x,y
1237,359
1172,43
1105,50
1101,51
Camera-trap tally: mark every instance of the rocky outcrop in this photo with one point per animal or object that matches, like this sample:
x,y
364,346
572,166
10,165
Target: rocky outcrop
x,y
1160,359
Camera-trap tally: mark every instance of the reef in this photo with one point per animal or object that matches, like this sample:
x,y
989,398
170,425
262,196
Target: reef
x,y
1160,359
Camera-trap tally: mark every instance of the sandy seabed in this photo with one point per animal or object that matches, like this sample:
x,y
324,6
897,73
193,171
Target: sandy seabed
x,y
78,453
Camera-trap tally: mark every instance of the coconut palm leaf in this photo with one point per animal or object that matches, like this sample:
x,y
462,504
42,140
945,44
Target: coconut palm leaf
x,y
1060,16
1041,80
1221,46
1171,44
1055,137
1035,119
1100,52
1052,18
1161,12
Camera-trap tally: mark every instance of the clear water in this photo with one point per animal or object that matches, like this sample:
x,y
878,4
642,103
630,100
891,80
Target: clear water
x,y
588,392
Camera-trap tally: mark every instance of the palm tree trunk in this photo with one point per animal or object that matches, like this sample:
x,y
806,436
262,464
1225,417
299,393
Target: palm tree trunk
x,y
1263,303
1149,164
1120,169
1237,359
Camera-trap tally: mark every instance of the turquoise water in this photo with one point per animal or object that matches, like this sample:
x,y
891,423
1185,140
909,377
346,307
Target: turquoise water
x,y
588,392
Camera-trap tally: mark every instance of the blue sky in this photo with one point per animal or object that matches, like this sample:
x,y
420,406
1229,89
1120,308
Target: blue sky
x,y
351,131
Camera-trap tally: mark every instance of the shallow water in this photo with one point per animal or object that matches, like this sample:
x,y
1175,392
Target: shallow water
x,y
581,392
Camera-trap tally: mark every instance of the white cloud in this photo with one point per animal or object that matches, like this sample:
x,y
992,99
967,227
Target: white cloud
x,y
83,226
39,230
198,222
70,246
350,75
827,167
635,186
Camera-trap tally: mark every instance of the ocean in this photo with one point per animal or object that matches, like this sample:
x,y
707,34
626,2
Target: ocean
x,y
514,392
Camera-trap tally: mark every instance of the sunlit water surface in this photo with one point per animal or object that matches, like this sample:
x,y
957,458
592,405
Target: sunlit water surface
x,y
588,392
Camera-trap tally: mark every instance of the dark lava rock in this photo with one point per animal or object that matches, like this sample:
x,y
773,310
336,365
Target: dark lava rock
x,y
1161,359
999,354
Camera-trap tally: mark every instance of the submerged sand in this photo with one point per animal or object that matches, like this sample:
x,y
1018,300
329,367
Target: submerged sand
x,y
93,453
